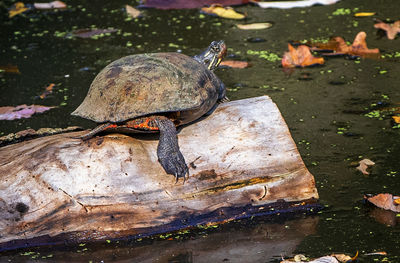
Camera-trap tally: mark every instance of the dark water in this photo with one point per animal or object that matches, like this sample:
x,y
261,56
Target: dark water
x,y
326,115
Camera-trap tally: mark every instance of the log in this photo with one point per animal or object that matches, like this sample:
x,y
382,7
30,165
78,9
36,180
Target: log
x,y
242,160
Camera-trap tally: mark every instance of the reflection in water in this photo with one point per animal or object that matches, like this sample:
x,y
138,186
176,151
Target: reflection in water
x,y
234,242
385,217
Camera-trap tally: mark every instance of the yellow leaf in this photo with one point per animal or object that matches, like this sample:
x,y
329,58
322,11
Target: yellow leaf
x,y
133,12
225,12
396,119
362,14
18,8
254,26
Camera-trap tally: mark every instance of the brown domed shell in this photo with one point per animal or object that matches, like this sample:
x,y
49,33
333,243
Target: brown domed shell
x,y
144,84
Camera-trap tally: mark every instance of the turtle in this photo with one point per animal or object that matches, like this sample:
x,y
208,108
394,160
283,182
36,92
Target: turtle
x,y
156,92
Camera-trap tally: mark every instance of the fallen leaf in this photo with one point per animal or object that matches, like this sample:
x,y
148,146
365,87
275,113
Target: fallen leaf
x,y
21,111
300,57
364,14
292,4
396,119
133,12
235,64
254,26
364,165
88,33
185,4
391,29
224,12
16,9
10,69
339,46
334,258
385,201
48,90
345,258
51,5
381,253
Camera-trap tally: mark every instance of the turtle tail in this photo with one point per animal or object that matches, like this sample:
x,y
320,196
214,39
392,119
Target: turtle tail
x,y
96,130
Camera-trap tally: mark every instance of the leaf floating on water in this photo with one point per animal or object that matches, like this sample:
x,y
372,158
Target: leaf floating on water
x,y
339,46
364,14
10,69
381,253
334,258
391,29
235,64
300,57
185,4
385,201
396,119
92,32
48,90
51,5
364,165
16,9
292,4
254,26
21,111
133,12
224,12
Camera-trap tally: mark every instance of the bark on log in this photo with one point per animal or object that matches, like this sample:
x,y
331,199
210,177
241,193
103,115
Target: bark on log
x,y
242,159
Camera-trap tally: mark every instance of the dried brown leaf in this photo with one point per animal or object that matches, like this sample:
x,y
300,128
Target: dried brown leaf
x,y
183,4
131,11
363,165
339,46
385,201
391,29
51,5
235,64
300,57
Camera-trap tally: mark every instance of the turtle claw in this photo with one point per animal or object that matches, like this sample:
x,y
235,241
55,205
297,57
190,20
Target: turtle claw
x,y
169,155
175,164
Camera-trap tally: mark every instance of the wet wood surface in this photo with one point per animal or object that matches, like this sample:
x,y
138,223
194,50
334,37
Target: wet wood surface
x,y
242,161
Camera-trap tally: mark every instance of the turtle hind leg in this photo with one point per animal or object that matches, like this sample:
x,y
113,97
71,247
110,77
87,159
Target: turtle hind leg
x,y
169,155
93,132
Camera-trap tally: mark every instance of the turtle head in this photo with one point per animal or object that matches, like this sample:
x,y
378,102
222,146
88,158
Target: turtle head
x,y
213,55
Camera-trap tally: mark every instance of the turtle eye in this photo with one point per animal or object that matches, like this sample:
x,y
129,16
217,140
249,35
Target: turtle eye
x,y
206,61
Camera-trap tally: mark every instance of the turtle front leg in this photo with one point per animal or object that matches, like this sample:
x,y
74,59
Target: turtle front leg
x,y
168,152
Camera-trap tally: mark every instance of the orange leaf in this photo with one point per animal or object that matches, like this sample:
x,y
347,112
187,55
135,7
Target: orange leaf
x,y
339,46
10,69
235,64
49,90
396,119
391,29
364,14
300,57
16,9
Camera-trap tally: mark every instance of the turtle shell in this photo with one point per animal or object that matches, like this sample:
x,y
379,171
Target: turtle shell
x,y
145,84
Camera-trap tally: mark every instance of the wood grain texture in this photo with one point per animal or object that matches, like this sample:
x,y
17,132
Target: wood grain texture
x,y
241,158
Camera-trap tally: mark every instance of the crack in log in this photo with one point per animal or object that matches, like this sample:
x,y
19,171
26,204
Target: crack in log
x,y
73,199
237,185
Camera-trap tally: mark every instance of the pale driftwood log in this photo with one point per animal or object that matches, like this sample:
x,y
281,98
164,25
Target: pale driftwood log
x,y
242,161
